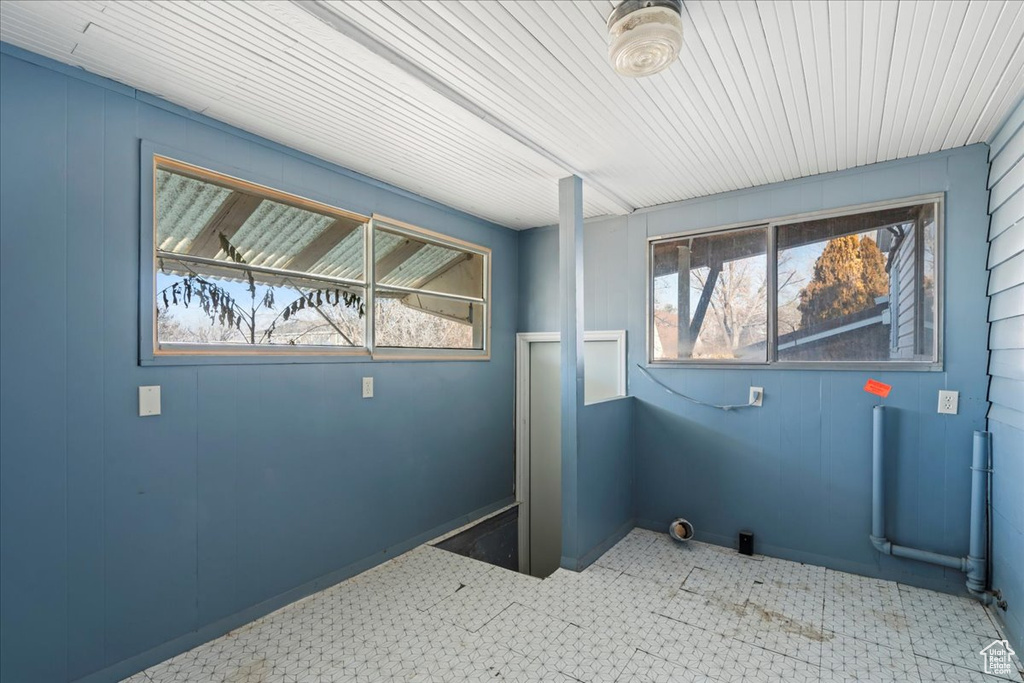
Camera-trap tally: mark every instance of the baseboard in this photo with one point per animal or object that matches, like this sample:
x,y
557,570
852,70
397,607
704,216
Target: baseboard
x,y
952,586
160,653
604,546
578,564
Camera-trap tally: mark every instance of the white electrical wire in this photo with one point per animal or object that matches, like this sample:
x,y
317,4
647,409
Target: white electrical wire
x,y
672,391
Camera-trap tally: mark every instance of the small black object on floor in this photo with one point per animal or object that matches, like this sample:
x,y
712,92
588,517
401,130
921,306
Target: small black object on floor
x,y
494,540
746,542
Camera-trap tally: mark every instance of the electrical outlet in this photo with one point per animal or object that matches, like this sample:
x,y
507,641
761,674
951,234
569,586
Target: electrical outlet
x,y
756,396
949,401
367,387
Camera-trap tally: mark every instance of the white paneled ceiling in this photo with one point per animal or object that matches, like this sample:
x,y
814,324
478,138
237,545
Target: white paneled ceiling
x,y
484,105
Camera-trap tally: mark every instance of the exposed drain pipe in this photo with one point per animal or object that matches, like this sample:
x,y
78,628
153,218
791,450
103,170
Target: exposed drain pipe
x,y
975,564
977,561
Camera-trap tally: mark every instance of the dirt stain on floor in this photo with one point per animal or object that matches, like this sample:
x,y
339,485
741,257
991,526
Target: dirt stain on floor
x,y
788,624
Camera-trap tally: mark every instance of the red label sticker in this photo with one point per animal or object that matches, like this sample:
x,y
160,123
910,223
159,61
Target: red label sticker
x,y
875,387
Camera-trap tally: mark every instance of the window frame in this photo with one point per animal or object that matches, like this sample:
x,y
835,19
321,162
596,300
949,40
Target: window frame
x,y
152,352
430,237
770,226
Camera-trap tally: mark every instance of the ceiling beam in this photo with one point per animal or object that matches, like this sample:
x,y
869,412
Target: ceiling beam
x,y
396,257
333,235
423,281
232,214
356,33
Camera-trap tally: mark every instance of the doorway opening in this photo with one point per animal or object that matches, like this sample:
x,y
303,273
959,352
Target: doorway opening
x,y
494,540
538,434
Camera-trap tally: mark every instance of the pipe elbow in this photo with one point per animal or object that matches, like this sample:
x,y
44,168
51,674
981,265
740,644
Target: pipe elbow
x,y
882,544
982,596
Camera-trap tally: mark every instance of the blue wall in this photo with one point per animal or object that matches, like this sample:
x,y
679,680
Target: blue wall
x,y
605,473
1006,391
126,540
604,469
797,471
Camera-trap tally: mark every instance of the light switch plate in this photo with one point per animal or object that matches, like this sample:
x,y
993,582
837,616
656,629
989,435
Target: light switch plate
x,y
949,402
149,401
367,387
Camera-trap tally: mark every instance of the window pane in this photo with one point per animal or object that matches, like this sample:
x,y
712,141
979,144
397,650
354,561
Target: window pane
x,y
858,287
238,264
201,304
420,321
199,217
404,260
421,291
710,297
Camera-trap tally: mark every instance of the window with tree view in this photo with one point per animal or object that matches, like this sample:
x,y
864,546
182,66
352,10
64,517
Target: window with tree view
x,y
858,286
243,268
709,297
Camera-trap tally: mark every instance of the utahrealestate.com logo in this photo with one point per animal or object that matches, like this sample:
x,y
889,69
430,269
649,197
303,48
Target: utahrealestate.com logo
x,y
998,660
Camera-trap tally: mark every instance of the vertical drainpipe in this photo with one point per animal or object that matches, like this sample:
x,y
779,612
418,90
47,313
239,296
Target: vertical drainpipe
x,y
975,564
878,482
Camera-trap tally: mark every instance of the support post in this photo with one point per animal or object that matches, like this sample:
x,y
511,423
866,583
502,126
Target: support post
x,y
684,341
570,291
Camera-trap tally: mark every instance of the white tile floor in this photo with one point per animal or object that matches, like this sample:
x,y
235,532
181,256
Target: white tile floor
x,y
648,611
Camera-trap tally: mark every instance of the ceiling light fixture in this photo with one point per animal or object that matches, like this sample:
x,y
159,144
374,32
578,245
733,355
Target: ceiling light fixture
x,y
644,36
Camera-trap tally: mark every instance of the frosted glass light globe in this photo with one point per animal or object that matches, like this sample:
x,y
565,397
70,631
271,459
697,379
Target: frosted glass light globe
x,y
645,41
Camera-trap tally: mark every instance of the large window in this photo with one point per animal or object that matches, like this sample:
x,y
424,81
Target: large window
x,y
852,287
240,268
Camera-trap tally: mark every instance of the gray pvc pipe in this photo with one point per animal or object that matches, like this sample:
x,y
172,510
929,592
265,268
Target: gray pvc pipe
x,y
974,565
977,565
878,481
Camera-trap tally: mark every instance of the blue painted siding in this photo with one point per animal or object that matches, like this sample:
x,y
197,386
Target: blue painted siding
x,y
605,472
1008,525
798,470
538,279
606,303
127,540
1006,366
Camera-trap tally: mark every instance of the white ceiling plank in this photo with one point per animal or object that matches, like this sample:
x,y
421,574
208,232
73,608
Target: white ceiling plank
x,y
854,64
961,54
943,35
880,69
1009,97
908,43
158,76
840,87
816,75
780,28
1003,48
953,93
730,70
821,40
485,105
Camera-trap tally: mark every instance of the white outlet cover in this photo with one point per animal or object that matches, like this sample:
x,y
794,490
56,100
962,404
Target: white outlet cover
x,y
367,387
949,402
149,401
756,396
